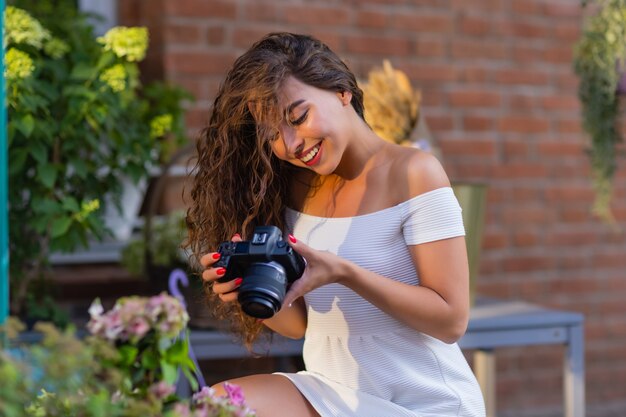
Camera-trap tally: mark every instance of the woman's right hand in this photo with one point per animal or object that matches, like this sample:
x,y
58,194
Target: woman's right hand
x,y
226,291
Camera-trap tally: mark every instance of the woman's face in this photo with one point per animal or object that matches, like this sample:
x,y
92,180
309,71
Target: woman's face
x,y
313,134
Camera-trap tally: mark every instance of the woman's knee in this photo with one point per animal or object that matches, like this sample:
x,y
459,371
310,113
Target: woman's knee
x,y
270,395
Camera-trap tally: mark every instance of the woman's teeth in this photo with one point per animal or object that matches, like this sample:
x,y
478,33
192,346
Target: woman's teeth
x,y
306,158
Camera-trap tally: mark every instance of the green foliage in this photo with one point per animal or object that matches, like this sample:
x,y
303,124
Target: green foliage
x,y
163,245
599,60
126,367
80,122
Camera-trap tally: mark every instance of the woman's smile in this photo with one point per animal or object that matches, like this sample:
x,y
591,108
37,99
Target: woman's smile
x,y
312,155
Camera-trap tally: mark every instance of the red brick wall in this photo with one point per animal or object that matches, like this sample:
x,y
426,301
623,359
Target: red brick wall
x,y
500,95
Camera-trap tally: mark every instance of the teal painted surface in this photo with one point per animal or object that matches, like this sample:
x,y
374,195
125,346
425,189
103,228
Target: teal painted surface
x,y
4,222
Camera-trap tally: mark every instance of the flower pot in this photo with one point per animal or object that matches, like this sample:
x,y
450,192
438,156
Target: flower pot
x,y
472,198
121,222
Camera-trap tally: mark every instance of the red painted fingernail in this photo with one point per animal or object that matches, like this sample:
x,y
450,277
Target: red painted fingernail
x,y
216,255
238,281
292,238
220,271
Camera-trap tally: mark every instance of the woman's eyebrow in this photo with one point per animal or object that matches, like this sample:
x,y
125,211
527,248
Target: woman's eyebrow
x,y
294,105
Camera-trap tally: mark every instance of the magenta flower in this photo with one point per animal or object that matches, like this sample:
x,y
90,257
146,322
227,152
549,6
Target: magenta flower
x,y
235,394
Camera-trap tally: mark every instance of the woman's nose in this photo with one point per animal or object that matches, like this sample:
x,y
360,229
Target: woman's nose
x,y
294,144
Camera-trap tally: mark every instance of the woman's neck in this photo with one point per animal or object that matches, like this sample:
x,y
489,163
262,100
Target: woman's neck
x,y
360,153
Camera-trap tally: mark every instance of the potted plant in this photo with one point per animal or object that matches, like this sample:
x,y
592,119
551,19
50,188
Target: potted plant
x,y
126,366
156,255
392,109
80,125
599,63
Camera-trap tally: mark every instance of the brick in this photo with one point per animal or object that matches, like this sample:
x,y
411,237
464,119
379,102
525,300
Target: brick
x,y
439,122
263,11
494,240
529,7
201,8
476,74
523,53
182,34
525,238
243,37
467,170
474,25
566,31
563,8
320,16
560,148
569,126
425,73
474,98
557,55
516,76
492,6
199,63
564,238
475,147
372,19
431,47
569,192
478,123
527,263
523,124
561,102
526,103
478,49
521,170
215,35
422,22
513,148
379,45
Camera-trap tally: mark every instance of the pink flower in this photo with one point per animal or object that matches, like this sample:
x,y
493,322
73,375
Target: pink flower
x,y
181,410
234,393
162,390
204,393
138,328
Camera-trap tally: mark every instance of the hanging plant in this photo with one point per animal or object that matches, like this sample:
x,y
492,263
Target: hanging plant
x,y
599,62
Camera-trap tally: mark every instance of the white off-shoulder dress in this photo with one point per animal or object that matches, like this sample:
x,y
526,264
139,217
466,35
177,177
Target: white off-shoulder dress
x,y
360,362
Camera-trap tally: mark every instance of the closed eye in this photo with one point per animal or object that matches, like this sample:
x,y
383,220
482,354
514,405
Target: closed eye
x,y
300,119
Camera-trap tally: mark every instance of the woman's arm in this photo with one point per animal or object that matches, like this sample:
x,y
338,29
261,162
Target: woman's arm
x,y
290,321
439,306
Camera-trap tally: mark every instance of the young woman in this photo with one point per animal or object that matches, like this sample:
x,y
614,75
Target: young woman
x,y
384,295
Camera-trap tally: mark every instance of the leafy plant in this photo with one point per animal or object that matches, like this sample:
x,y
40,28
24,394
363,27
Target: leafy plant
x,y
599,62
80,122
126,367
162,247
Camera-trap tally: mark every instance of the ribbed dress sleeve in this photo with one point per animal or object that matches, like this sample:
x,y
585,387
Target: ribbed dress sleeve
x,y
434,215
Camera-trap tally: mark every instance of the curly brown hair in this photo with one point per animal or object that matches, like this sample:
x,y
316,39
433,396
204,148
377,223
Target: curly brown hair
x,y
237,182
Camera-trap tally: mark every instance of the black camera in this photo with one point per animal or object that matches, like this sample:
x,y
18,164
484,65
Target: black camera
x,y
267,265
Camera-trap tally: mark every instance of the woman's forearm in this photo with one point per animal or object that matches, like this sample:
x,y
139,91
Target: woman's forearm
x,y
290,321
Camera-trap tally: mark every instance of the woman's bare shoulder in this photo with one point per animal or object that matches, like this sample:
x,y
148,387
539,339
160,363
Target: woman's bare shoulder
x,y
421,172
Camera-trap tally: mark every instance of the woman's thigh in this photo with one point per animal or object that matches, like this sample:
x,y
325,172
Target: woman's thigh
x,y
272,396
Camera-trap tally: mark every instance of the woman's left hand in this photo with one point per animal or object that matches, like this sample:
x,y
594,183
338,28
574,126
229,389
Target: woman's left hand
x,y
322,268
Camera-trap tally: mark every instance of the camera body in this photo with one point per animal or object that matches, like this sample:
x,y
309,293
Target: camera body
x,y
267,265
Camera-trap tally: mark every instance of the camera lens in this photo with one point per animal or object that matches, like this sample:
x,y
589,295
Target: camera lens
x,y
263,289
